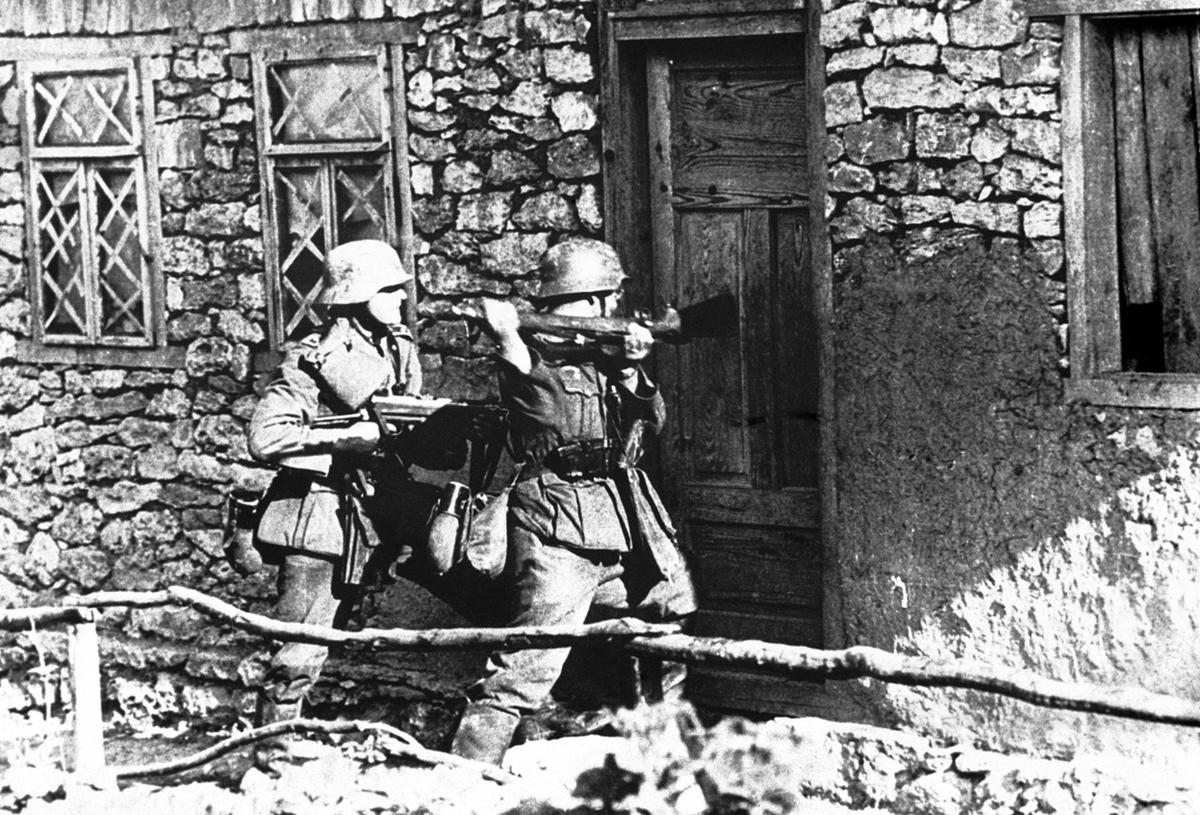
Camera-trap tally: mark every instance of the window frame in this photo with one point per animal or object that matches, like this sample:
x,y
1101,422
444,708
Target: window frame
x,y
384,42
1090,217
42,56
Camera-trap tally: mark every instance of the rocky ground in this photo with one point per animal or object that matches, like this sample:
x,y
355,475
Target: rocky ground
x,y
662,760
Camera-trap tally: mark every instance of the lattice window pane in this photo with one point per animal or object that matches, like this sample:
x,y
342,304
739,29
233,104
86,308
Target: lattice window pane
x,y
60,237
120,271
360,195
83,108
326,101
301,200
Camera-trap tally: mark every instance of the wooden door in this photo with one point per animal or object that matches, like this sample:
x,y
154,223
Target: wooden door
x,y
729,183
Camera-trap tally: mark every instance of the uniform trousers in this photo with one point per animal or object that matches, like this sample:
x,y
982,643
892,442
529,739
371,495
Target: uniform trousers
x,y
557,585
306,595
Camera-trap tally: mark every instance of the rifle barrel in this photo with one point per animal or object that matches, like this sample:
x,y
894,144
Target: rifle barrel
x,y
597,328
715,316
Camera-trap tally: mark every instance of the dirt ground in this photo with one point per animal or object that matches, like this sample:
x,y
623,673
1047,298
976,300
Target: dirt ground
x,y
660,760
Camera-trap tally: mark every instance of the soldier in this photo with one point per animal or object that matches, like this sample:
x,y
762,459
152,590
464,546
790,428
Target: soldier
x,y
585,526
316,500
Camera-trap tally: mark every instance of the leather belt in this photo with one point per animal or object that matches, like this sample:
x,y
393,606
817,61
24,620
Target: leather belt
x,y
588,458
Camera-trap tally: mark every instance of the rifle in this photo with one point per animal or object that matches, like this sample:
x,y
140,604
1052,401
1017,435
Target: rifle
x,y
713,317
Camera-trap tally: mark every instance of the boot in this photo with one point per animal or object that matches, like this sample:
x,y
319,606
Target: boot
x,y
270,754
484,733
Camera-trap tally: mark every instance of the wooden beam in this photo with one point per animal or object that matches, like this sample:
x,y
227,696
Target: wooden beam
x,y
25,619
1137,391
324,36
702,8
33,255
398,95
1108,8
156,297
172,356
744,25
266,180
25,48
1089,207
1137,227
84,657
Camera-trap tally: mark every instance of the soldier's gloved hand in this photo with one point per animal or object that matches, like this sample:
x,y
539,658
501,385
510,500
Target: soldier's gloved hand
x,y
360,437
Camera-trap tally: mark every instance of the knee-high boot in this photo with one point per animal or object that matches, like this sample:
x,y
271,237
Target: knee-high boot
x,y
484,733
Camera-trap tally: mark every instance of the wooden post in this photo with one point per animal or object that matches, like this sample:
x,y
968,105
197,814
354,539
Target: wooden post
x,y
88,749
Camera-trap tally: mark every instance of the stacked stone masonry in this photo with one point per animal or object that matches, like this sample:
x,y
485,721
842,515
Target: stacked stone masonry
x,y
945,115
113,477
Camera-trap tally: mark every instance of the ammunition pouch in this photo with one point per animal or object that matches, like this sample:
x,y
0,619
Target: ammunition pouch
x,y
580,460
300,513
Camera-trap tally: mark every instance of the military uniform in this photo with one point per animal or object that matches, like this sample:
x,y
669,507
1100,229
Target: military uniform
x,y
586,528
308,488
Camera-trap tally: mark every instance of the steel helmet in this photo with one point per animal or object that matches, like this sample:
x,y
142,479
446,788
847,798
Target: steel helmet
x,y
356,270
580,266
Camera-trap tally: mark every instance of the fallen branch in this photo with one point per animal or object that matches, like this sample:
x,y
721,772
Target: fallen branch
x,y
409,748
385,639
21,619
798,662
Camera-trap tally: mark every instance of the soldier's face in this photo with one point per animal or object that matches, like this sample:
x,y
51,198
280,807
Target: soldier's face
x,y
387,305
599,304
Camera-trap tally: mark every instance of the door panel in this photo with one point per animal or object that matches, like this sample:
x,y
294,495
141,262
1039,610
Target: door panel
x,y
729,206
713,433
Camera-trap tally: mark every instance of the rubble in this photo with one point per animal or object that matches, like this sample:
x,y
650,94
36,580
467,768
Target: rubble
x,y
661,761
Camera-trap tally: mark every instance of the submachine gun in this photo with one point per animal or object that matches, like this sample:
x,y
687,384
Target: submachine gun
x,y
430,433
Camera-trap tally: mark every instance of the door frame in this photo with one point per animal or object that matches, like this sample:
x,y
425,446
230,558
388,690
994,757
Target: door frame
x,y
628,29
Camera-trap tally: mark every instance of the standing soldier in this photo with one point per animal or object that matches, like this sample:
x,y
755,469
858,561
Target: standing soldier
x,y
585,525
315,504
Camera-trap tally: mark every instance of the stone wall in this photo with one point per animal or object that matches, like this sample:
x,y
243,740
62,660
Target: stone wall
x,y
113,477
981,515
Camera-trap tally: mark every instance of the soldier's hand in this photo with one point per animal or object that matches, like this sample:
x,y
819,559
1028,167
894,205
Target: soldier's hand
x,y
638,342
500,318
360,437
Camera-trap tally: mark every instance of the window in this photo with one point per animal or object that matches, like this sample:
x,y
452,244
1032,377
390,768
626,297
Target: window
x,y
91,218
333,153
1131,172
